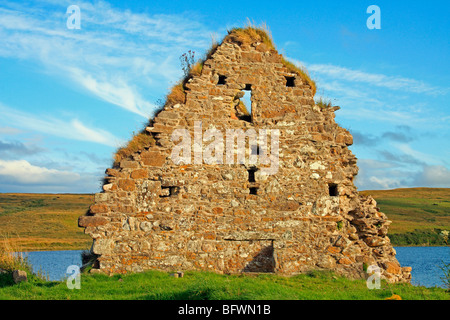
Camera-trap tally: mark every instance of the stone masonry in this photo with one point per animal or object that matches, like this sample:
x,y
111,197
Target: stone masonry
x,y
232,218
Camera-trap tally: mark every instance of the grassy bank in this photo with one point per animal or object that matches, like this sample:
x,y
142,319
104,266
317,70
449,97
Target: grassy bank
x,y
155,285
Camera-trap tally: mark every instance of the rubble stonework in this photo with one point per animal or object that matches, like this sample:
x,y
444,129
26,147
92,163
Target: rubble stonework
x,y
233,218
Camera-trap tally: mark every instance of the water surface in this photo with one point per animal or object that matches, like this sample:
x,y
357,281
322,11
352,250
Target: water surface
x,y
425,263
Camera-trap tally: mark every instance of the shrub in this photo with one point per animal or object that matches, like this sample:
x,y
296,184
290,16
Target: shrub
x,y
187,60
323,104
446,275
11,259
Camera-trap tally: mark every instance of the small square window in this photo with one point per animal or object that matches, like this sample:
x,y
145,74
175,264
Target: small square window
x,y
333,190
254,191
169,191
290,81
222,80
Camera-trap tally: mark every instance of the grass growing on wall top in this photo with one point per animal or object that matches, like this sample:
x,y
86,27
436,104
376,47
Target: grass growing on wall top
x,y
139,141
253,33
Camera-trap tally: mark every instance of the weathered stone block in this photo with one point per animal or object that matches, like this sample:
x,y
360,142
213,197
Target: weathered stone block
x,y
392,267
99,208
91,221
139,174
19,276
153,158
126,184
128,164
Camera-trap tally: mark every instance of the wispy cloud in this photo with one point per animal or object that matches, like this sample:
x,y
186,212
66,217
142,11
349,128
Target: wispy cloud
x,y
376,79
72,129
118,55
116,91
402,133
17,148
9,131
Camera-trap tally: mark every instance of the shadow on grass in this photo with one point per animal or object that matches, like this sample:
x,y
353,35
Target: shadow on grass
x,y
6,280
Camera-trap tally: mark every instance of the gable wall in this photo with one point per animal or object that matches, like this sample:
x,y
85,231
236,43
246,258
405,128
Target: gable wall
x,y
155,214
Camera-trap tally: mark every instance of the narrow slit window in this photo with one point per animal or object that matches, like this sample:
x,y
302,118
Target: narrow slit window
x,y
244,104
255,149
222,80
290,81
248,100
251,175
333,190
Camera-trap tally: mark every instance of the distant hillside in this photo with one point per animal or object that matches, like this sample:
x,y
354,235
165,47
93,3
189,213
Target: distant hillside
x,y
418,214
50,221
32,222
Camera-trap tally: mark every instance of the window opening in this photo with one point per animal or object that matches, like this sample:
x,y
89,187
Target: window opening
x,y
222,80
290,81
333,190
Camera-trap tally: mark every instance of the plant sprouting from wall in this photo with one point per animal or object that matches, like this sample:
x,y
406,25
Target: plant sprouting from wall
x,y
187,60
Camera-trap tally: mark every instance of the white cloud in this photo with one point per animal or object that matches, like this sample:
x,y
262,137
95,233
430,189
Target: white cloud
x,y
10,131
22,172
375,79
384,182
115,91
434,176
423,157
71,129
374,175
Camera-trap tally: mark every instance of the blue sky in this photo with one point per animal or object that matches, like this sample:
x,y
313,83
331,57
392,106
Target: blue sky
x,y
69,98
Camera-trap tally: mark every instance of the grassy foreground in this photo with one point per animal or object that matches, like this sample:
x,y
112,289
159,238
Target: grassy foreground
x,y
156,285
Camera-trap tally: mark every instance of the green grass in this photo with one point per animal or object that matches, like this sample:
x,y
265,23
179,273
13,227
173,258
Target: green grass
x,y
323,104
419,237
156,285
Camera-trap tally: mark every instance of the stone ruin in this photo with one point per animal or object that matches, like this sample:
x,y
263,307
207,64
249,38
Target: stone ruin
x,y
155,213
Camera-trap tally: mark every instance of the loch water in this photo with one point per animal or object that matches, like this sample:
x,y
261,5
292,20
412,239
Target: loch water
x,y
426,263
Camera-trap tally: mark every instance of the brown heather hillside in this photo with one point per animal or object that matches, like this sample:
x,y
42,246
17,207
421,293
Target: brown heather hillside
x,y
31,222
419,214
